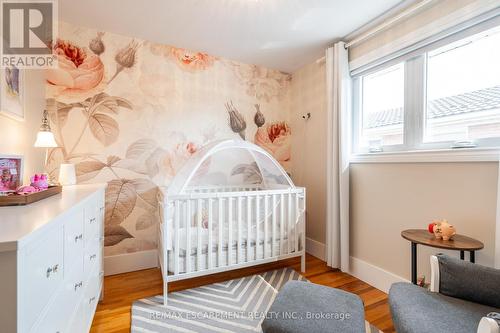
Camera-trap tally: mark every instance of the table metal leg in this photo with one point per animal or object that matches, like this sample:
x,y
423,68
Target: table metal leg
x,y
472,256
414,263
462,255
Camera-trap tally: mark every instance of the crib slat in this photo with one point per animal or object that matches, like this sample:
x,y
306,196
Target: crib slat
x,y
177,213
221,227
266,236
289,223
198,234
296,222
230,230
187,225
257,218
282,223
303,221
210,236
273,214
238,244
249,226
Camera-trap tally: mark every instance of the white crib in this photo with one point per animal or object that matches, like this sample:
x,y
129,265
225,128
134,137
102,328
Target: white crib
x,y
231,206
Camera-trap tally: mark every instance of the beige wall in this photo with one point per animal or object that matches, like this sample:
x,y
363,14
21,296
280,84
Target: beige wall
x,y
18,137
307,94
388,198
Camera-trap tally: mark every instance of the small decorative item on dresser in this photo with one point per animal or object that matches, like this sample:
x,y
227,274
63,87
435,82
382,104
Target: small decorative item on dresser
x,y
442,229
38,189
67,174
39,181
11,173
28,194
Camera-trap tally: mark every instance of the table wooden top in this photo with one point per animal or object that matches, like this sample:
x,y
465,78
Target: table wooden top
x,y
459,242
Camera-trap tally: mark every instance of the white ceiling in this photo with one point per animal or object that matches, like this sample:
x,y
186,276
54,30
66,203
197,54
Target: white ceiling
x,y
280,34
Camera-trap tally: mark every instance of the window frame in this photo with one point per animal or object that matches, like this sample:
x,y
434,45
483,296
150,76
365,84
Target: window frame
x,y
415,104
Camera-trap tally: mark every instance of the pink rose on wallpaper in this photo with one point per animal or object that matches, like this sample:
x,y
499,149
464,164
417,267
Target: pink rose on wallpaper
x,y
276,139
77,68
174,160
192,61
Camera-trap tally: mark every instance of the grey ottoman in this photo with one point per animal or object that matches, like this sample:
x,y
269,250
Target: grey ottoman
x,y
307,307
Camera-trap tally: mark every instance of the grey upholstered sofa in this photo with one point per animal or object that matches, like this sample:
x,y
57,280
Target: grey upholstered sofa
x,y
463,297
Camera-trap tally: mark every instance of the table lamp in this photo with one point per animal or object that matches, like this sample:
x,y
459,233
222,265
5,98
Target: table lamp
x,y
45,137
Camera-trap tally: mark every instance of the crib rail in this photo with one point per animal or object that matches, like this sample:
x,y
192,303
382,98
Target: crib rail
x,y
205,231
236,193
233,188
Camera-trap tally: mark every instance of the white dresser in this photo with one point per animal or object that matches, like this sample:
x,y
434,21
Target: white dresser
x,y
51,268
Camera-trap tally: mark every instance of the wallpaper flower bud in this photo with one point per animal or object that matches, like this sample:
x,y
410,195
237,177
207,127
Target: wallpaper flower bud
x,y
236,120
96,45
259,118
125,58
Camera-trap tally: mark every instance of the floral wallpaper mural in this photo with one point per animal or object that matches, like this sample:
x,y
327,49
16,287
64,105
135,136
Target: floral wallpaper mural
x,y
130,113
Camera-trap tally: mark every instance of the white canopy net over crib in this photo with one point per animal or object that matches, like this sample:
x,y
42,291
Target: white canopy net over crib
x,y
230,164
231,203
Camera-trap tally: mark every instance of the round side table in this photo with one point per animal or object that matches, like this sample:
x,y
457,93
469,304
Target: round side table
x,y
423,237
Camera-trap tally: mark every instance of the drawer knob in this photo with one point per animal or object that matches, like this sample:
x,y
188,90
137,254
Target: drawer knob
x,y
92,220
78,285
91,300
78,237
52,270
93,256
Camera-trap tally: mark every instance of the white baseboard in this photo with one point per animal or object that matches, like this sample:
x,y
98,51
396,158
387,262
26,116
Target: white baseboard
x,y
315,248
129,262
373,275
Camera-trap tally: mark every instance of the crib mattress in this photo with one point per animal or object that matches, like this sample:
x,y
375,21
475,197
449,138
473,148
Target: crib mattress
x,y
256,252
193,232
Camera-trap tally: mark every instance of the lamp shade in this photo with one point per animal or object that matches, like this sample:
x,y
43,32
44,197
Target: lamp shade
x,y
45,139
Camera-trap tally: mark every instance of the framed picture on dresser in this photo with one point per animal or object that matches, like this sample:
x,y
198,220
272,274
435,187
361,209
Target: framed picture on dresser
x,y
11,173
12,92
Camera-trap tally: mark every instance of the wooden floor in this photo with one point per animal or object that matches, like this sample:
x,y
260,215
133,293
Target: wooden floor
x,y
113,313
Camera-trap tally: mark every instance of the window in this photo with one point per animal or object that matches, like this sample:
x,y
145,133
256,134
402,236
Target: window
x,y
445,96
382,107
463,90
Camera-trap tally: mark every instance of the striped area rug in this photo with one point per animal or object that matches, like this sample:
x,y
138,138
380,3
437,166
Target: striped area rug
x,y
237,305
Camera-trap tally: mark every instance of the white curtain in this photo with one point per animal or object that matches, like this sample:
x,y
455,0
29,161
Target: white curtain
x,y
338,85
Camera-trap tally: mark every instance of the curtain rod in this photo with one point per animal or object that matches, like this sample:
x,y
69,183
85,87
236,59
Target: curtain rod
x,y
407,12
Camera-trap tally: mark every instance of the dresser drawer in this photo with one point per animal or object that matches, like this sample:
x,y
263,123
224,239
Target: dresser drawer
x,y
82,319
64,304
93,256
74,239
92,220
79,320
41,274
92,292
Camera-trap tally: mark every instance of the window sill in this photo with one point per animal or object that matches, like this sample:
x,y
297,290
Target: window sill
x,y
430,156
